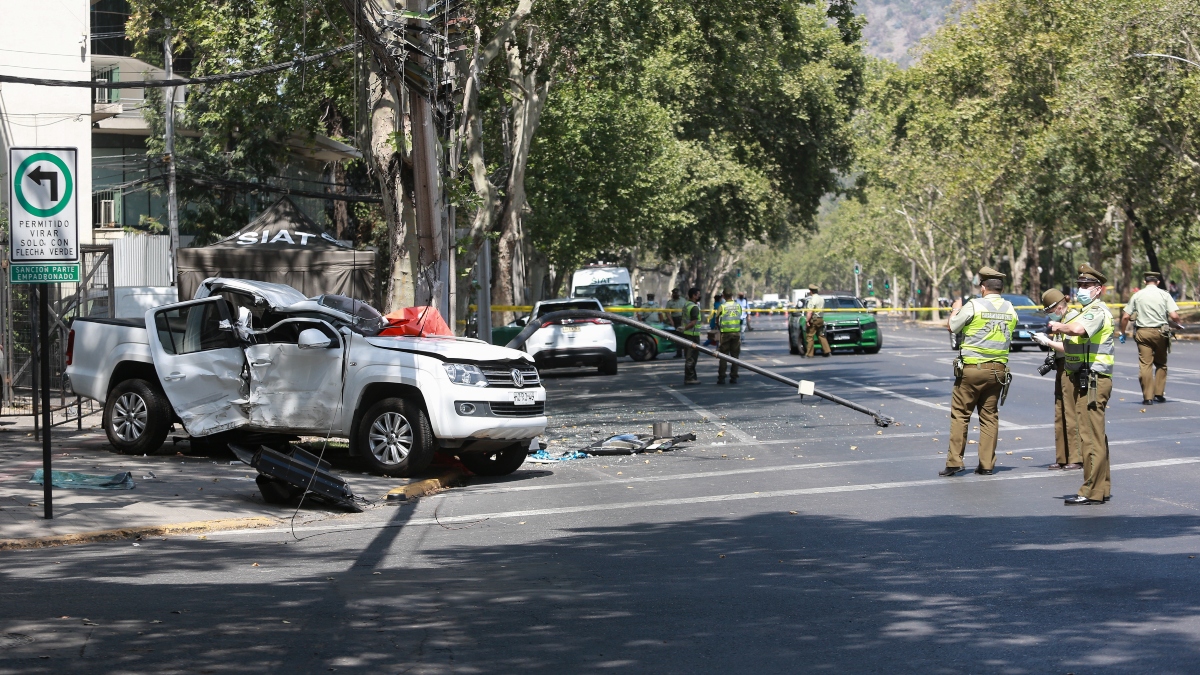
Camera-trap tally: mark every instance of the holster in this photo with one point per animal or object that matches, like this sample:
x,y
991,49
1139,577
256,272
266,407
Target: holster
x,y
1006,380
959,366
1093,397
1167,333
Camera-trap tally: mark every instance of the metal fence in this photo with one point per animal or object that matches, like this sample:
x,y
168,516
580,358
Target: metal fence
x,y
92,296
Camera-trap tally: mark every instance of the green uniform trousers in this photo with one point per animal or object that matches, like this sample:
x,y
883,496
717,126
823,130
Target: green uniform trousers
x,y
1153,347
814,329
1093,438
1066,440
731,344
976,389
691,354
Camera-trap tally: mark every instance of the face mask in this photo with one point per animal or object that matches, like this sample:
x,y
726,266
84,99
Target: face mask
x,y
1056,314
1083,296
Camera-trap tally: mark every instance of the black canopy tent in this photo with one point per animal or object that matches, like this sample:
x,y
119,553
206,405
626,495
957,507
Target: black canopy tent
x,y
283,246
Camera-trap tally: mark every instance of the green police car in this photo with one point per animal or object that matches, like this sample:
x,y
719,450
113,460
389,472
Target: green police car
x,y
855,330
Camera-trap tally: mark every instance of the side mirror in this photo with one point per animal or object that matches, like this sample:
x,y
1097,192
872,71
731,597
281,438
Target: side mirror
x,y
311,338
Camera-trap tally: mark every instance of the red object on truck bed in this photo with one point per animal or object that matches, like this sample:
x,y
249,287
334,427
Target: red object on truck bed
x,y
417,322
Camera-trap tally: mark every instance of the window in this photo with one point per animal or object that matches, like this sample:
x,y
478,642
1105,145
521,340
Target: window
x,y
842,303
195,328
563,306
607,294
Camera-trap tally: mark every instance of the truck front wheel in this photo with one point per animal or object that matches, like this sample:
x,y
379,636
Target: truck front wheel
x,y
394,438
137,417
498,463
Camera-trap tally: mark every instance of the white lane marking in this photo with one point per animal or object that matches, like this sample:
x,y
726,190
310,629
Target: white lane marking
x,y
487,490
1173,399
1121,391
769,469
734,431
682,501
927,404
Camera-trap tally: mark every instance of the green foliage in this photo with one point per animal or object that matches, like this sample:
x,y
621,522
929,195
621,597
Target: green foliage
x,y
1026,138
240,129
689,129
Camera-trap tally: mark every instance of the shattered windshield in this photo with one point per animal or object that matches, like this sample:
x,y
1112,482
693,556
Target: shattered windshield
x,y
367,319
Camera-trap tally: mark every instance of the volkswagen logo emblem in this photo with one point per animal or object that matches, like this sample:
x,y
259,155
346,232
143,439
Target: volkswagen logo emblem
x,y
517,378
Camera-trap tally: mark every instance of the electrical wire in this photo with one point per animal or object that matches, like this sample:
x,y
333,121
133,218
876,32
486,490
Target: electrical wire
x,y
177,82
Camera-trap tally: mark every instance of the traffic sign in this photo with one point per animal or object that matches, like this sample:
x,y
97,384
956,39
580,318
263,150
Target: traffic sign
x,y
43,274
43,213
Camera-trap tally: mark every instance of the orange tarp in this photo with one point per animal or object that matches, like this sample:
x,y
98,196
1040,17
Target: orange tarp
x,y
417,322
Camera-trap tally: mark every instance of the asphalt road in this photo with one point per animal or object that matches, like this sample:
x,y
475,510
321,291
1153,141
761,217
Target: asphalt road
x,y
792,536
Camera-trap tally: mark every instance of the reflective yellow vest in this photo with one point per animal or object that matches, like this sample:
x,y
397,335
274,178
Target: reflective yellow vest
x,y
688,309
988,334
731,317
1099,350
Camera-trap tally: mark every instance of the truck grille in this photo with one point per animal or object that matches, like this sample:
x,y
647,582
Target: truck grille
x,y
514,410
501,375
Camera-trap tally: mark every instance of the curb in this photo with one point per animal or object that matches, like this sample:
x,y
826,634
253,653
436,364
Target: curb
x,y
131,532
447,479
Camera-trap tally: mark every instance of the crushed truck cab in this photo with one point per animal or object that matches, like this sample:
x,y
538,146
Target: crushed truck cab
x,y
254,357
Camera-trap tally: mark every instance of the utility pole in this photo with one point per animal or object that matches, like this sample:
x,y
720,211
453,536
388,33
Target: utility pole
x,y
169,155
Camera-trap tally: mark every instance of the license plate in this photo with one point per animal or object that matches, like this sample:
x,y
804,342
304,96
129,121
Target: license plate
x,y
840,337
523,398
1024,334
570,329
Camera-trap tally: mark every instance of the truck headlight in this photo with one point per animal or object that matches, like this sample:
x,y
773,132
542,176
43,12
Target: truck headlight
x,y
463,373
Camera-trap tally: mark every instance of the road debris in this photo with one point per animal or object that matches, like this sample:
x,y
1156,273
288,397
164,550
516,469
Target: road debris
x,y
85,481
285,476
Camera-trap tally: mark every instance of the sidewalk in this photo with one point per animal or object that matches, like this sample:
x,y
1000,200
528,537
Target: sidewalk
x,y
171,488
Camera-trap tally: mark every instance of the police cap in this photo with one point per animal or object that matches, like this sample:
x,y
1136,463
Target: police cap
x,y
1152,274
986,273
1052,297
813,288
1089,273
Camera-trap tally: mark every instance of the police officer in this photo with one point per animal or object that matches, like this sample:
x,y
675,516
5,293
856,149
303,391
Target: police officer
x,y
1090,347
814,322
1066,439
676,303
691,331
729,323
981,371
1152,310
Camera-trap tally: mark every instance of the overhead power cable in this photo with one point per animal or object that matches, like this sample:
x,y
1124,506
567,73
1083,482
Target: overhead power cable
x,y
177,82
213,181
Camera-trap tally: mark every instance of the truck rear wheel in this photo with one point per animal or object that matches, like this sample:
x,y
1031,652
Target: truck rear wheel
x,y
394,438
498,463
137,417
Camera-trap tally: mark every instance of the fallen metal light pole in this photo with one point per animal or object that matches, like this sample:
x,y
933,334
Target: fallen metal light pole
x,y
535,324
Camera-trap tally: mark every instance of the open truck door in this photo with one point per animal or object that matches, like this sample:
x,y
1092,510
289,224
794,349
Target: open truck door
x,y
200,364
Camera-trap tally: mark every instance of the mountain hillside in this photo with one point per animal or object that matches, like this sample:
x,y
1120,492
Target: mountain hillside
x,y
895,26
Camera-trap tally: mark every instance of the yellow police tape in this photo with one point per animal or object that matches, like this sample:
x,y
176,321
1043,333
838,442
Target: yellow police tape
x,y
856,310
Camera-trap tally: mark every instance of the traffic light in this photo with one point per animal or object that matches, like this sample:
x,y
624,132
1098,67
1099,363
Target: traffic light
x,y
886,285
870,284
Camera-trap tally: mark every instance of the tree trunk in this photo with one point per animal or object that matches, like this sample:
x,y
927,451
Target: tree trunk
x,y
1018,266
1147,240
1125,280
1033,248
385,117
529,98
335,127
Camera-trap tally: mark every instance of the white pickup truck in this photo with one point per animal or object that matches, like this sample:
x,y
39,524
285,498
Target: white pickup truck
x,y
253,357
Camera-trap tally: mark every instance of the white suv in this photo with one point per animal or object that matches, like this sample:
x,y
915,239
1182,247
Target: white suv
x,y
573,342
